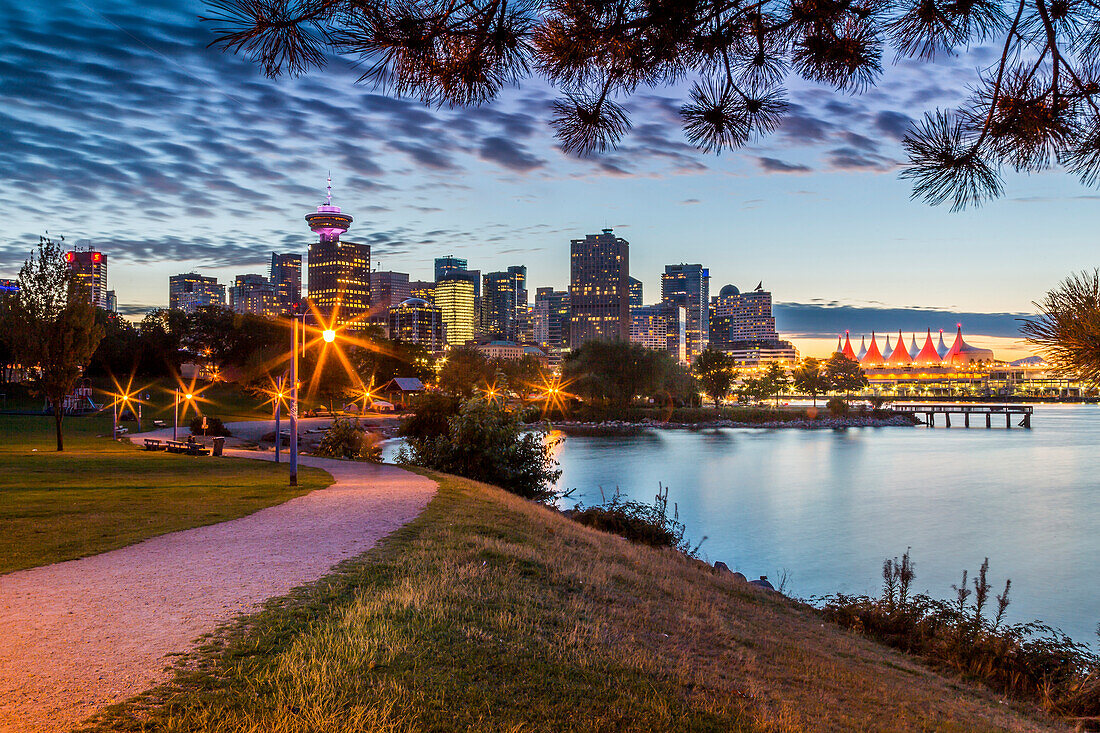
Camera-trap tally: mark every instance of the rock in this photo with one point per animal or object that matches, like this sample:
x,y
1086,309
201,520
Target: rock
x,y
721,567
740,577
763,583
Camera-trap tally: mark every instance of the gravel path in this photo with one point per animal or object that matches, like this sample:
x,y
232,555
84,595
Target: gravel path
x,y
78,635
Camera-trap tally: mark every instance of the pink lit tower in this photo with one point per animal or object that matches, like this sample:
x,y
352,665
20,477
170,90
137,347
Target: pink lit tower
x,y
338,271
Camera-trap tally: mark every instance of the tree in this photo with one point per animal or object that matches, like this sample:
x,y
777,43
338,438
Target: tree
x,y
774,380
809,378
524,376
58,332
844,375
465,370
162,334
615,371
1067,329
715,370
1034,105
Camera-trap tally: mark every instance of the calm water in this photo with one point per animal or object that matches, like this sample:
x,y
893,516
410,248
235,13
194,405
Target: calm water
x,y
829,506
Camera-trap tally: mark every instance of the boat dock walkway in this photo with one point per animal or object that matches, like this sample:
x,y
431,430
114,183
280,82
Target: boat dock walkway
x,y
928,412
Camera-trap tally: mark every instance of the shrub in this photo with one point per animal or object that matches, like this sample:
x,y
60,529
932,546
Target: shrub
x,y
430,415
488,443
648,524
1030,661
346,439
837,406
214,426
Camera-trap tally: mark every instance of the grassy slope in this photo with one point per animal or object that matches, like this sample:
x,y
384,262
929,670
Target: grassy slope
x,y
491,613
100,495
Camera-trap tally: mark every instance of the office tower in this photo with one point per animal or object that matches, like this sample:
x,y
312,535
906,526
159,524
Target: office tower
x,y
504,304
445,266
112,301
257,295
89,268
388,289
339,271
286,276
419,322
455,299
551,318
635,292
599,296
689,286
423,289
189,291
662,327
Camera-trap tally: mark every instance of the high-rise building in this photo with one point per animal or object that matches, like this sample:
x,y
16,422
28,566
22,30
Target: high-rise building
x,y
419,322
635,292
504,304
112,301
662,327
455,299
257,295
689,286
189,291
599,297
742,325
423,289
551,318
339,271
89,268
286,276
445,266
387,289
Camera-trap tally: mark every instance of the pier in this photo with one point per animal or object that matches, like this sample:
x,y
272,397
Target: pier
x,y
929,412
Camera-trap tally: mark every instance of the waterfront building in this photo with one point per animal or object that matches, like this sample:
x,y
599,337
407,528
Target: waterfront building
x,y
455,299
504,304
742,325
689,286
662,327
550,318
89,268
190,291
635,289
257,295
286,276
510,350
419,322
599,288
339,271
929,355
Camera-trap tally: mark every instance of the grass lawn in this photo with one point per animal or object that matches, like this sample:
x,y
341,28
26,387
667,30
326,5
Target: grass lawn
x,y
489,613
99,495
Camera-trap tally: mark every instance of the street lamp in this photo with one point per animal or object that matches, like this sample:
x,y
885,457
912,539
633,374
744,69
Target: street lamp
x,y
294,399
328,335
278,405
176,413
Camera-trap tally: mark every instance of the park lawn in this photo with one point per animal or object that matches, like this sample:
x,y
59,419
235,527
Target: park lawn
x,y
490,613
100,495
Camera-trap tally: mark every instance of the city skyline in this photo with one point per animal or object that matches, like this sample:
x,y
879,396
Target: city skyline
x,y
489,185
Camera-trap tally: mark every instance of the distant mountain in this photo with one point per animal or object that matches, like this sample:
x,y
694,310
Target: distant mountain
x,y
1027,361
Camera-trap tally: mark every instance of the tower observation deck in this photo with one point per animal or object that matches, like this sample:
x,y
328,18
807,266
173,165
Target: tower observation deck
x,y
338,271
328,221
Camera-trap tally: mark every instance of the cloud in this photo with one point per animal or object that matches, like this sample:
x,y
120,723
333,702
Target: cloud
x,y
893,124
774,165
508,154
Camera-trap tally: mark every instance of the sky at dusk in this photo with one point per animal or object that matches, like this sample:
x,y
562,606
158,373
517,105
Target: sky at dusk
x,y
120,129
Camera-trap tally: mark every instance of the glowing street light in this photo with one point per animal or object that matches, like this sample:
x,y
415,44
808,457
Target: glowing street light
x,y
176,412
328,335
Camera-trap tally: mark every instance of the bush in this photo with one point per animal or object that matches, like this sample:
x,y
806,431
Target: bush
x,y
430,415
487,443
346,439
1030,662
214,426
837,406
648,524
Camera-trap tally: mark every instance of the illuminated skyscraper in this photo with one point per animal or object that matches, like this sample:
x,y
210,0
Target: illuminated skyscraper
x,y
504,304
190,290
448,265
635,292
387,289
742,325
339,271
551,318
89,268
661,327
689,286
417,321
455,298
286,276
257,295
599,288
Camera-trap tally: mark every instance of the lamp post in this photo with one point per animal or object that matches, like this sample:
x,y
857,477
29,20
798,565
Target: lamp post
x,y
114,420
176,413
294,402
278,400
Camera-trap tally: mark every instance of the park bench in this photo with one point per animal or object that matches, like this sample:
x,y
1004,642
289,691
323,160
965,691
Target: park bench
x,y
191,449
159,424
154,444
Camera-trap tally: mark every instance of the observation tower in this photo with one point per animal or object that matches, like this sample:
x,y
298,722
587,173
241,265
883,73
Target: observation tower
x,y
328,221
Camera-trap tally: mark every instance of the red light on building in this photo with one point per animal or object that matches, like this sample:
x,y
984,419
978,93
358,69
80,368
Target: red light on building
x,y
97,257
68,256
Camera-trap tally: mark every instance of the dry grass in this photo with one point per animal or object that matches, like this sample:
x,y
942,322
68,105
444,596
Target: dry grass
x,y
492,613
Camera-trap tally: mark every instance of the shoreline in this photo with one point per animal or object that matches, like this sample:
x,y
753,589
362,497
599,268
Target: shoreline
x,y
621,427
